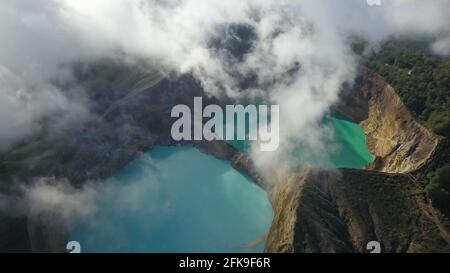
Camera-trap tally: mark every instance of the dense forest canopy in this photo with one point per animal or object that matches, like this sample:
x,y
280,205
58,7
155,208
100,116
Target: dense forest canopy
x,y
420,78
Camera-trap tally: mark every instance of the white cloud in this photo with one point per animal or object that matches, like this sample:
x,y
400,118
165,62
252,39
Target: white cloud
x,y
37,37
48,195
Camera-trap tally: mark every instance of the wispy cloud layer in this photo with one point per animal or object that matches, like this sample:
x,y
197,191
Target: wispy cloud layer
x,y
299,54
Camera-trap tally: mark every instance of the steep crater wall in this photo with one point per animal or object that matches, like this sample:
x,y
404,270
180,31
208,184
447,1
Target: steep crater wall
x,y
399,143
340,211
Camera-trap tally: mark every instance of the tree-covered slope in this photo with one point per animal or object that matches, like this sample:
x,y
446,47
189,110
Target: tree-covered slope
x,y
421,79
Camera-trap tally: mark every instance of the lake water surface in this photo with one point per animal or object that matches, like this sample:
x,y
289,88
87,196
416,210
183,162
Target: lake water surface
x,y
176,199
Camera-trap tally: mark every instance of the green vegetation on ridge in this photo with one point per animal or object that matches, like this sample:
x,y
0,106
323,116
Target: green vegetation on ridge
x,y
421,79
438,189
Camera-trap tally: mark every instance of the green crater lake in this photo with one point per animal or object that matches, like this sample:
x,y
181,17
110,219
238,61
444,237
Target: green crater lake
x,y
176,199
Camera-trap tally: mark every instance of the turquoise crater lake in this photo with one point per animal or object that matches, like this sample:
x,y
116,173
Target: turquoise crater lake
x,y
176,199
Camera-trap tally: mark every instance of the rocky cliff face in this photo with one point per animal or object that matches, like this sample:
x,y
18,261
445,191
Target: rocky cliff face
x,y
399,143
342,210
320,210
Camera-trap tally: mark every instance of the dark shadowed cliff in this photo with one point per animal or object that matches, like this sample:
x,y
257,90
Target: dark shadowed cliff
x,y
342,210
